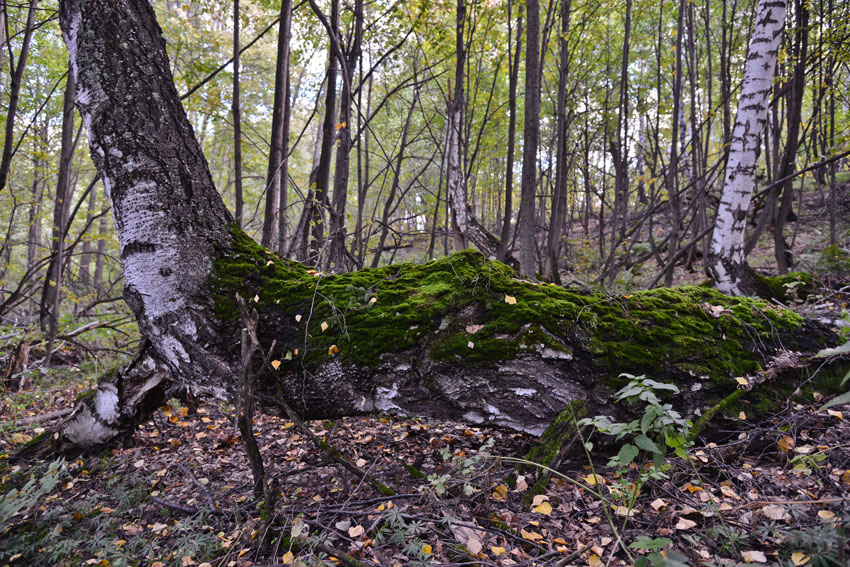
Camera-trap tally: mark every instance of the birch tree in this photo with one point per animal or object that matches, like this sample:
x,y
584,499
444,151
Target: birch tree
x,y
727,261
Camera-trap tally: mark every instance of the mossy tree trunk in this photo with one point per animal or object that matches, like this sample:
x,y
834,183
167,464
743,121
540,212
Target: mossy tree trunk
x,y
461,338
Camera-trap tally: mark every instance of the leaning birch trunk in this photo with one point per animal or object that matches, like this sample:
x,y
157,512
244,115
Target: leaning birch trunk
x,y
460,338
727,263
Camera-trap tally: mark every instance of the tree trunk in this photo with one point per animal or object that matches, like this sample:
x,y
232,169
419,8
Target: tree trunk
x,y
531,133
459,338
464,220
237,120
278,146
17,75
727,263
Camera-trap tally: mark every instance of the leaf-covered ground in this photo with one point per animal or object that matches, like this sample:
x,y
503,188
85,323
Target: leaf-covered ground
x,y
772,492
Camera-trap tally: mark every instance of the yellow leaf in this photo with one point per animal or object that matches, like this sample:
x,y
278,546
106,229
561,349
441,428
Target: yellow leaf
x,y
835,414
692,488
332,350
288,355
545,509
269,263
742,416
426,549
592,479
786,443
799,559
510,300
287,558
559,540
685,524
500,492
826,515
594,561
324,326
298,318
741,381
497,551
356,531
658,504
187,560
530,536
275,364
845,477
373,300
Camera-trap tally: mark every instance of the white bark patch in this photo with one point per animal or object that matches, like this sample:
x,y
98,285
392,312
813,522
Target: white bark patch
x,y
84,430
384,397
106,403
525,392
173,350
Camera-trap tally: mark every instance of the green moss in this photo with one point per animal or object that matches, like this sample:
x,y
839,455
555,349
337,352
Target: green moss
x,y
435,306
794,286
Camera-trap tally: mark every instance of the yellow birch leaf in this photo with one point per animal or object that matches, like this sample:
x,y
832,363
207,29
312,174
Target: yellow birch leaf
x,y
826,515
324,326
545,508
530,536
426,549
742,416
287,558
799,559
500,492
298,318
275,364
835,414
741,381
510,300
332,350
497,551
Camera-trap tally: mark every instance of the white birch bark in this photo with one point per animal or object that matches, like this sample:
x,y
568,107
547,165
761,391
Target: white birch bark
x,y
728,265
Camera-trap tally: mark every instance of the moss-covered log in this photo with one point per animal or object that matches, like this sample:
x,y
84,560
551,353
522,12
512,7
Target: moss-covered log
x,y
461,338
466,338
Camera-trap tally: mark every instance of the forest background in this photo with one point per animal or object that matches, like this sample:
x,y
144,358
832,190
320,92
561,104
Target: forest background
x,y
408,131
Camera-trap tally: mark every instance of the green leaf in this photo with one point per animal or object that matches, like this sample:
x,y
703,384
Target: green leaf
x,y
646,444
661,386
627,454
842,399
827,352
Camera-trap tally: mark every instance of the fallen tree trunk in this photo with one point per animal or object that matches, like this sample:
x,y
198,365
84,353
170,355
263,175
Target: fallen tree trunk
x,y
459,338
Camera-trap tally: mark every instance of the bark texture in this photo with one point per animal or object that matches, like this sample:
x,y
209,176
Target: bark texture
x,y
462,337
727,261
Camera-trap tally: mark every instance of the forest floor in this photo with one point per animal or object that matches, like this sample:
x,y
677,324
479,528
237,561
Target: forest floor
x,y
772,491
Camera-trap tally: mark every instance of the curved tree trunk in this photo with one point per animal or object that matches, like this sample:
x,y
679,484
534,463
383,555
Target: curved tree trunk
x,y
459,338
726,260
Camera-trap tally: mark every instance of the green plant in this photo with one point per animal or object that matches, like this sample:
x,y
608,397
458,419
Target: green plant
x,y
30,494
462,469
396,528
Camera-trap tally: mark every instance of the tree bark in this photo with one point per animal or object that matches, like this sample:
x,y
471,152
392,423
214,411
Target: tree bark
x,y
459,338
531,134
275,178
237,121
727,262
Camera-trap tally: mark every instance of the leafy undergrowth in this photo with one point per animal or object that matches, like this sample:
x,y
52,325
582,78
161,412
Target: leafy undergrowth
x,y
774,492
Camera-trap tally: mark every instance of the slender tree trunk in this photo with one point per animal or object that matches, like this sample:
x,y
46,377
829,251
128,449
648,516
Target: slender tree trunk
x,y
52,288
275,178
795,94
559,196
237,120
17,74
727,263
531,134
323,174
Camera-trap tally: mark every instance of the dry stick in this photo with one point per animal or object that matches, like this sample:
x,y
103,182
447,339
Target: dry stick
x,y
245,407
43,417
